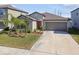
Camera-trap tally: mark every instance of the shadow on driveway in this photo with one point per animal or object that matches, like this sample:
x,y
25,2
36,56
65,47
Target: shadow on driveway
x,y
60,32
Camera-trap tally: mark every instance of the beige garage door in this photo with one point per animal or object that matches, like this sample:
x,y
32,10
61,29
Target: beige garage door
x,y
57,26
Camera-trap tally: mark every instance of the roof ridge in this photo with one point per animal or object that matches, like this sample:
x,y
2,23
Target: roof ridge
x,y
52,14
11,7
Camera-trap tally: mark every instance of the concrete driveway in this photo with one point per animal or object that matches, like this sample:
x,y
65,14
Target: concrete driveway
x,y
57,43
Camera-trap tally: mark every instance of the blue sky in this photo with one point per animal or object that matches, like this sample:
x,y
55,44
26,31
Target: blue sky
x,y
59,9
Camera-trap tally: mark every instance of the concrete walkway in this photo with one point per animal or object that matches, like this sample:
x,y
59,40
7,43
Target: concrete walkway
x,y
55,43
12,51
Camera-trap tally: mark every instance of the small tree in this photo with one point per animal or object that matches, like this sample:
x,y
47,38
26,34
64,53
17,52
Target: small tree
x,y
18,23
5,22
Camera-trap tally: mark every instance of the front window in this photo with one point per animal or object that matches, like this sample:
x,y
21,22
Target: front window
x,y
77,14
2,11
2,14
75,23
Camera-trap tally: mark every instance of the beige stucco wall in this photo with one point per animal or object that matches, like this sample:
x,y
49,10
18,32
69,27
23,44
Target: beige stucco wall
x,y
15,13
34,25
30,25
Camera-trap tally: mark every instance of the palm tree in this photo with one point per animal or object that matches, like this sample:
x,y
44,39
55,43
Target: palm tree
x,y
20,25
5,22
18,22
15,23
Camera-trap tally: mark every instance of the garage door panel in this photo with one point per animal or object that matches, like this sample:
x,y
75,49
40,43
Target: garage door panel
x,y
58,26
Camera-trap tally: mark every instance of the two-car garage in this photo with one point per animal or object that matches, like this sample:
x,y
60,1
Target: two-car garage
x,y
54,22
56,26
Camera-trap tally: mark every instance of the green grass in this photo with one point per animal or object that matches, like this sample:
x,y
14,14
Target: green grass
x,y
18,42
75,34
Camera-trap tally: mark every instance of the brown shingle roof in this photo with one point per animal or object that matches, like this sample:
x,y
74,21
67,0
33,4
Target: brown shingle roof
x,y
49,16
11,7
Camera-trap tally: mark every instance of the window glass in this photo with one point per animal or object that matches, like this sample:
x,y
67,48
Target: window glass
x,y
75,23
77,14
2,12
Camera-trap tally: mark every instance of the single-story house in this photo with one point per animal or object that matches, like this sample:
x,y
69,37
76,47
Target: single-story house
x,y
36,20
50,21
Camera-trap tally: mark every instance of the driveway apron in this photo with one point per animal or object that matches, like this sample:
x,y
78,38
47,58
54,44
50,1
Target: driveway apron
x,y
65,44
55,42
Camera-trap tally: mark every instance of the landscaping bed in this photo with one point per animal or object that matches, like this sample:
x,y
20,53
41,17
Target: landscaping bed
x,y
18,35
19,42
75,34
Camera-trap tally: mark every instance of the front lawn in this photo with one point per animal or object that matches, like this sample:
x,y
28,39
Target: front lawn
x,y
18,42
75,34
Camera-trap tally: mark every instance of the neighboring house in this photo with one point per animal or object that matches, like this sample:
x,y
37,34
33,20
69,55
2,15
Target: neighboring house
x,y
6,11
50,21
75,18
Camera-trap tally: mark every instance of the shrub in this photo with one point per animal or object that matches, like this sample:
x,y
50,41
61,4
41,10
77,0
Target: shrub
x,y
28,31
40,28
34,30
1,32
6,32
13,29
6,29
73,30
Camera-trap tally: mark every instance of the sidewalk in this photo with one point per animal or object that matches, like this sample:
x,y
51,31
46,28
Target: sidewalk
x,y
12,51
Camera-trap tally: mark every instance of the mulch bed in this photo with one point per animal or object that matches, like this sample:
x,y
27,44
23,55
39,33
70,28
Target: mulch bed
x,y
37,32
